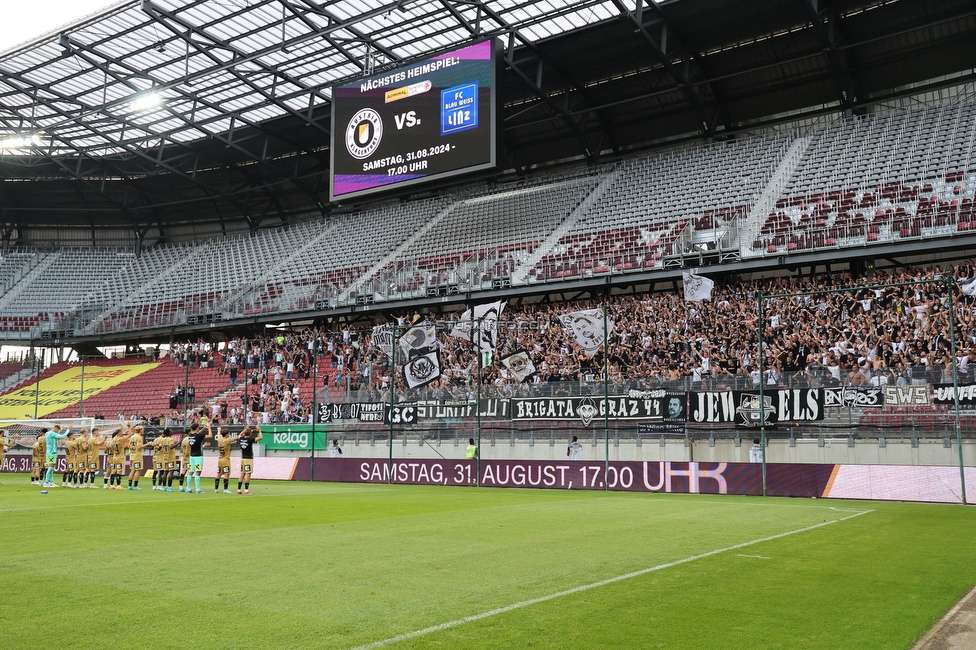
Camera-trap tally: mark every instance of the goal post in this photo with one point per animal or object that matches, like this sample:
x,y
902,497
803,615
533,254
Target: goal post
x,y
26,432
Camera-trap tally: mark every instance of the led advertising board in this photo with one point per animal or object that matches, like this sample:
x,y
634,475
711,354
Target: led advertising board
x,y
425,121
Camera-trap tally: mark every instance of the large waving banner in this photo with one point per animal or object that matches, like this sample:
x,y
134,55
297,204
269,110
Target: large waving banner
x,y
64,389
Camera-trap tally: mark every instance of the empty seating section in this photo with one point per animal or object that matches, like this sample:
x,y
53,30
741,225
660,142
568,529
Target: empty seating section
x,y
652,200
338,254
897,175
12,266
879,178
200,279
483,238
59,286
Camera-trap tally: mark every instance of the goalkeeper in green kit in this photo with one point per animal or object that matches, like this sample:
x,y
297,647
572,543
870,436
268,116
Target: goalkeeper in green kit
x,y
51,438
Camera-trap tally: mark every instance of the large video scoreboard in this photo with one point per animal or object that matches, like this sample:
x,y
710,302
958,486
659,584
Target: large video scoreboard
x,y
429,120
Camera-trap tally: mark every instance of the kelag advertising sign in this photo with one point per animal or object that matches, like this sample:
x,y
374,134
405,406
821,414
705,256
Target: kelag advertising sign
x,y
293,436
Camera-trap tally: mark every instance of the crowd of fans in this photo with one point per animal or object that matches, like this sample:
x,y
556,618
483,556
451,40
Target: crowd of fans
x,y
833,330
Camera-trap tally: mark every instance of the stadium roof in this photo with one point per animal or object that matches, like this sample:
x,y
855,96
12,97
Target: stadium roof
x,y
175,111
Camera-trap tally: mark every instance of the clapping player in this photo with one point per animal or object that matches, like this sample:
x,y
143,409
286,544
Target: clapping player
x,y
196,439
224,440
247,441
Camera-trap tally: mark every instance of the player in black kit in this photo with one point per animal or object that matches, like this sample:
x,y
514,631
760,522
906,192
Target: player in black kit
x,y
246,441
196,442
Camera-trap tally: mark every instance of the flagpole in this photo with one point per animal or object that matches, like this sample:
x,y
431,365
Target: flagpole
x,y
955,383
762,396
606,398
392,397
477,456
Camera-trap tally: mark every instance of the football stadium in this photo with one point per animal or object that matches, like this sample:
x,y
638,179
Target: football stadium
x,y
495,324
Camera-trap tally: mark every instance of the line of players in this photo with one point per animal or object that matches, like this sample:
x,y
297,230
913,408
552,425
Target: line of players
x,y
82,452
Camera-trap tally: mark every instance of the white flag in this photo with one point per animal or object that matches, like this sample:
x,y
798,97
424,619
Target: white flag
x,y
421,337
520,365
422,369
486,316
968,286
586,326
383,338
697,287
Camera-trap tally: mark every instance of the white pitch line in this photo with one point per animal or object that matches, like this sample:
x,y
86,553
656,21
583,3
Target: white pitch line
x,y
594,585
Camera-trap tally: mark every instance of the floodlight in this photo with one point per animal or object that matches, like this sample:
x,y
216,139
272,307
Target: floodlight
x,y
20,141
145,101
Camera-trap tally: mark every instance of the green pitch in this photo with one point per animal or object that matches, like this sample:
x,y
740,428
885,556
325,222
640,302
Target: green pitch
x,y
299,565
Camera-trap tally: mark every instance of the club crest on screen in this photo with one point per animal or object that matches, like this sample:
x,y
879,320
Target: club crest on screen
x,y
364,133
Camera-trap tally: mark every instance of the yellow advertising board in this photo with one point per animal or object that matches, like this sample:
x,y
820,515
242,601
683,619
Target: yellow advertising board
x,y
64,389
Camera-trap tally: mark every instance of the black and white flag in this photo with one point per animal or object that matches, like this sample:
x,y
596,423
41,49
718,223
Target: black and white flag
x,y
485,323
586,326
422,369
419,339
383,338
697,287
968,286
520,365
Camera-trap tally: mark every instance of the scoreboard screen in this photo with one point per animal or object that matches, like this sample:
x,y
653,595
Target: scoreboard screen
x,y
428,120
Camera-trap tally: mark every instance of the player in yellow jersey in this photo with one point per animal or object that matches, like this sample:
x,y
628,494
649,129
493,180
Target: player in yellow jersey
x,y
91,445
158,460
70,459
171,464
185,459
4,444
37,459
224,440
116,460
135,446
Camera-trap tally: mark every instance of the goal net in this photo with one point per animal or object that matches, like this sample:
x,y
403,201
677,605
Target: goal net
x,y
26,432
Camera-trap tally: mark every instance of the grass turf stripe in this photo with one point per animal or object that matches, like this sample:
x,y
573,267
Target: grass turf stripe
x,y
602,583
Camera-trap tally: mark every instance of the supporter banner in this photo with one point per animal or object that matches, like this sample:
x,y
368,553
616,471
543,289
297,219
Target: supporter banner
x,y
415,412
588,409
913,395
361,411
943,394
697,287
586,328
747,409
419,339
660,428
874,397
296,436
383,338
64,389
520,365
486,316
422,370
854,396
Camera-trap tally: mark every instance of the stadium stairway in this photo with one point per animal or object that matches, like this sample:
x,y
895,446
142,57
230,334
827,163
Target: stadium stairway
x,y
767,200
373,272
520,274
